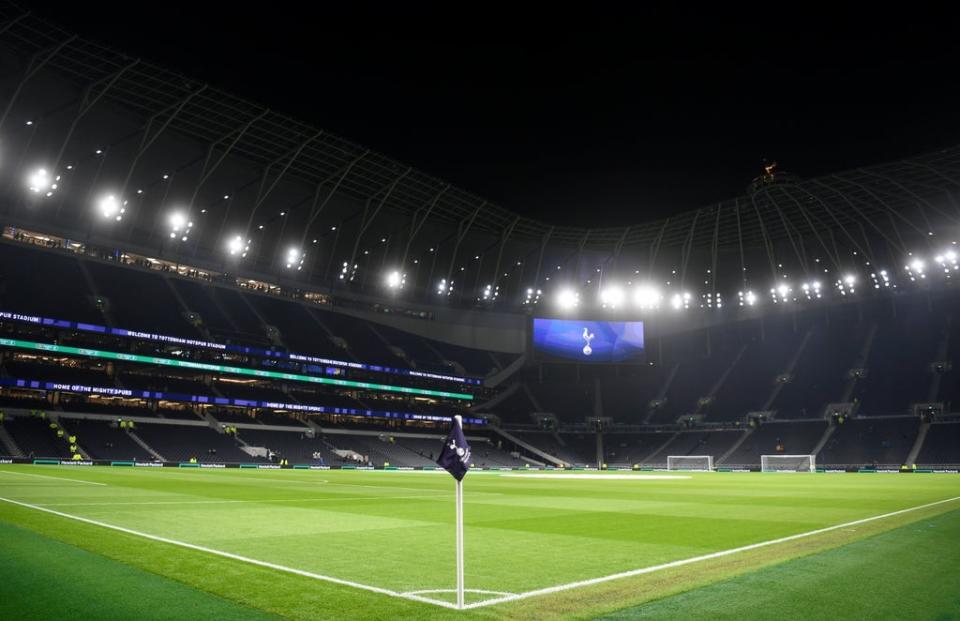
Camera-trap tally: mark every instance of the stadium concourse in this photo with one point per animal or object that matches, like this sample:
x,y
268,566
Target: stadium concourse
x,y
191,282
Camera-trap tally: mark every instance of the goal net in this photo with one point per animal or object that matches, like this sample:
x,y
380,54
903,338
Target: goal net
x,y
690,462
788,463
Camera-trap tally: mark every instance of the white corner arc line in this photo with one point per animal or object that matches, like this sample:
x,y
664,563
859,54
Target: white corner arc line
x,y
236,557
47,476
697,559
422,595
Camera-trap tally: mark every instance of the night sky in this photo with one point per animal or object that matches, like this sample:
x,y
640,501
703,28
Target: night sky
x,y
589,118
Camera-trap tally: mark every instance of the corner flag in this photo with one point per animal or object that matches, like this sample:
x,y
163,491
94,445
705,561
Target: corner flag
x,y
455,459
455,456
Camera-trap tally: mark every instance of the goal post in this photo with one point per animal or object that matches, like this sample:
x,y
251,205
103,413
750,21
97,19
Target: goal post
x,y
788,463
690,462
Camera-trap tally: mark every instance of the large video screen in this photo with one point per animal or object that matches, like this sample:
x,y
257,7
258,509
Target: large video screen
x,y
589,341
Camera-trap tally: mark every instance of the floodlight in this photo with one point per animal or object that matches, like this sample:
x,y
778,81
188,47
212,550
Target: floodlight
x,y
568,299
111,207
238,246
612,296
180,226
294,258
43,182
647,297
395,280
444,287
680,300
490,292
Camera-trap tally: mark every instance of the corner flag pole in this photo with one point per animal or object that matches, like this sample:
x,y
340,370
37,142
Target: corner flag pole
x,y
460,600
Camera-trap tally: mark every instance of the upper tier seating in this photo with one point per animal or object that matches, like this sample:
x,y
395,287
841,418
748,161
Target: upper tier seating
x,y
46,283
941,446
124,287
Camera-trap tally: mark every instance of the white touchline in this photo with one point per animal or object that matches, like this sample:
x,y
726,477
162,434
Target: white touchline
x,y
236,557
697,559
603,477
45,476
499,600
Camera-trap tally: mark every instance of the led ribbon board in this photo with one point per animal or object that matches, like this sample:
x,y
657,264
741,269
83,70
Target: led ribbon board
x,y
230,370
240,349
111,391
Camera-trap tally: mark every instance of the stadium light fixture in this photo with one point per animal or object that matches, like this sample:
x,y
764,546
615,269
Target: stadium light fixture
x,y
490,293
294,258
747,298
346,273
880,279
948,262
647,297
916,269
237,245
712,300
396,280
680,301
612,296
781,293
810,289
180,226
444,287
846,284
111,207
42,182
568,299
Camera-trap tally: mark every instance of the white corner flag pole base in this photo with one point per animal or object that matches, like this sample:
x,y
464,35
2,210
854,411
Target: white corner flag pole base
x,y
460,603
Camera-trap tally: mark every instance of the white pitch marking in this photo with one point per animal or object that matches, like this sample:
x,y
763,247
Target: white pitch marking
x,y
508,598
229,502
480,591
236,557
421,594
636,477
45,476
697,559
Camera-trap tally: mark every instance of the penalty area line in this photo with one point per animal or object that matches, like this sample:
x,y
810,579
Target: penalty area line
x,y
237,557
697,559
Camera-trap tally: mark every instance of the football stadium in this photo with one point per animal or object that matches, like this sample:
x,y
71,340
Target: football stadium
x,y
250,369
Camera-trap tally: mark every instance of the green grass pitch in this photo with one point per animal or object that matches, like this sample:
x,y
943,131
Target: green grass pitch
x,y
121,543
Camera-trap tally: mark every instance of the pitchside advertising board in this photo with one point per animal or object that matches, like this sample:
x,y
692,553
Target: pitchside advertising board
x,y
589,341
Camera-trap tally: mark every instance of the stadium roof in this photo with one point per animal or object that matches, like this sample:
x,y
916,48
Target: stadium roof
x,y
893,203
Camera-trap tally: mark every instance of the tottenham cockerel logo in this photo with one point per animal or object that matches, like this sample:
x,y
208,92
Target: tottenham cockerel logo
x,y
587,336
463,453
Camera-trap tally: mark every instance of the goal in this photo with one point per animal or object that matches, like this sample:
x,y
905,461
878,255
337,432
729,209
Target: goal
x,y
788,463
690,462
